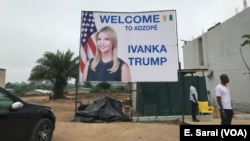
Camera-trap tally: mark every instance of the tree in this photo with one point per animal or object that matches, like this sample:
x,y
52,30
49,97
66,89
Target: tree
x,y
87,85
104,85
56,67
9,85
246,42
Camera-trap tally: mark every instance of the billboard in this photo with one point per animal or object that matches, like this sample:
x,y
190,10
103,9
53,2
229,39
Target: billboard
x,y
128,46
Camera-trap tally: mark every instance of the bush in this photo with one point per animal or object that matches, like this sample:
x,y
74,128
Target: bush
x,y
104,86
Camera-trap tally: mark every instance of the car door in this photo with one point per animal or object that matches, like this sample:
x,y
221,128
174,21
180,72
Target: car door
x,y
13,123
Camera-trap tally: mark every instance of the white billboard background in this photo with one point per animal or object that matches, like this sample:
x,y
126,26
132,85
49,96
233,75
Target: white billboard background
x,y
163,35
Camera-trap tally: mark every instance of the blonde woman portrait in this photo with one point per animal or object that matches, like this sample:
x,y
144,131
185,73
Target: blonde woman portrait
x,y
106,65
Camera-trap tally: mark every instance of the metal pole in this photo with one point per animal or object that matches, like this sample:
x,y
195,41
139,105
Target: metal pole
x,y
76,85
181,94
180,77
131,91
77,77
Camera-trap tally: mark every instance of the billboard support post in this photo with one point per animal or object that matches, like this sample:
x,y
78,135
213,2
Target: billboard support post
x,y
181,93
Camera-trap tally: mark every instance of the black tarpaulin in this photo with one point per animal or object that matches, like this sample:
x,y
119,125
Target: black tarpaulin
x,y
103,108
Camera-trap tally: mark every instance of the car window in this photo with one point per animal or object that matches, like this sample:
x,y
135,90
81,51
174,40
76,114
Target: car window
x,y
5,101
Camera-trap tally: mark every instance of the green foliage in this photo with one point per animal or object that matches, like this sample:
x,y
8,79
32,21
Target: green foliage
x,y
247,40
24,88
103,86
19,89
56,67
87,85
9,85
96,90
119,88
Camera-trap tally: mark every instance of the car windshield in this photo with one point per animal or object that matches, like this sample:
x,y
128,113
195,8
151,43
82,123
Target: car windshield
x,y
5,101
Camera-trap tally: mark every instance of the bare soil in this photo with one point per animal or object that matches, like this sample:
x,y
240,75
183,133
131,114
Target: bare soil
x,y
68,130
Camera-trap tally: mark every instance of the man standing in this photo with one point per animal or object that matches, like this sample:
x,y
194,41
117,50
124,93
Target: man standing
x,y
224,100
194,100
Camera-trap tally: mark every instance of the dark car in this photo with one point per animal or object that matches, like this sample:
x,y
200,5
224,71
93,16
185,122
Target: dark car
x,y
22,121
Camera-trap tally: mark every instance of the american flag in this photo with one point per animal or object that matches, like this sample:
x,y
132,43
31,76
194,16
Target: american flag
x,y
87,48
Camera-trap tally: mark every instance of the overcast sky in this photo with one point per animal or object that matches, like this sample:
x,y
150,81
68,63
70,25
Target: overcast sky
x,y
29,28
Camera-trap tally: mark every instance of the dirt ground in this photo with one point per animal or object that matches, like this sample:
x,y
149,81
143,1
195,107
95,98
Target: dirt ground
x,y
68,130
